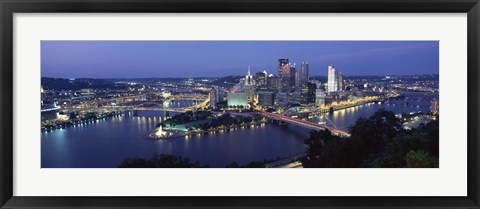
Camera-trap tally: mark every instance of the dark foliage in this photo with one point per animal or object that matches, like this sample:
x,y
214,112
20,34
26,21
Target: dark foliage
x,y
379,141
77,84
234,164
253,164
160,161
187,117
227,81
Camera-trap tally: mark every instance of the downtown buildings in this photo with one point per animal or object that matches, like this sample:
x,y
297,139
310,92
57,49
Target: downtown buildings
x,y
265,90
291,86
335,80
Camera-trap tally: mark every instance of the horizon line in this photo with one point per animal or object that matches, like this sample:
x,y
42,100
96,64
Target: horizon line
x,y
235,75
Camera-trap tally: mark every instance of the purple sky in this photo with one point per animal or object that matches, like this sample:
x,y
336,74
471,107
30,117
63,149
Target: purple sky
x,y
144,59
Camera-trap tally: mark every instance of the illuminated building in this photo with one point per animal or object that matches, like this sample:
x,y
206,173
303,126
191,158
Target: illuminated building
x,y
319,97
214,97
166,94
294,97
272,82
297,81
293,77
222,95
249,87
281,64
317,83
434,107
249,78
250,90
285,78
266,99
281,99
288,78
42,97
304,73
261,80
329,99
308,93
235,99
332,85
340,82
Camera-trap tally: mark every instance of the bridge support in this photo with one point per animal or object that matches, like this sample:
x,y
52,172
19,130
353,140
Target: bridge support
x,y
279,122
283,124
331,110
135,113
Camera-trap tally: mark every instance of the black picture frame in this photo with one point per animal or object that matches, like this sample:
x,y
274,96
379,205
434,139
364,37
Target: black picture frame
x,y
9,7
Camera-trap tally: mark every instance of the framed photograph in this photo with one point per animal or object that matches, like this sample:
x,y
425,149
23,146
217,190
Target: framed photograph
x,y
239,104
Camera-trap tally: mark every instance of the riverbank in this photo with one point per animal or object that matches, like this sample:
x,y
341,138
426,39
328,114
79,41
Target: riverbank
x,y
363,101
65,123
174,133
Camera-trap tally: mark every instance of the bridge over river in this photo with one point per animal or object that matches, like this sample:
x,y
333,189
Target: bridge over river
x,y
146,105
294,121
304,123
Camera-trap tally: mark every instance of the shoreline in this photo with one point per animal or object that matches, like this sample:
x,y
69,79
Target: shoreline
x,y
178,134
69,123
361,103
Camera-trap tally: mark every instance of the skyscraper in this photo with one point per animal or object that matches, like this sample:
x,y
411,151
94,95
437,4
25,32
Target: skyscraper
x,y
214,97
293,78
319,97
249,86
304,73
308,93
284,79
332,85
298,83
281,63
249,78
287,81
340,81
266,99
272,82
261,80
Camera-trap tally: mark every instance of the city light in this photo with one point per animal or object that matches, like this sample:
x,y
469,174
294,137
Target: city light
x,y
278,107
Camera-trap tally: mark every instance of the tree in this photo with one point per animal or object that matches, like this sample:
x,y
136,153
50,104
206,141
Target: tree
x,y
160,161
73,115
326,150
379,141
253,164
423,138
371,135
418,159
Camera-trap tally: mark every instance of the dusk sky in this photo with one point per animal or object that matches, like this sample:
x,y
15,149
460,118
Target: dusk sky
x,y
155,59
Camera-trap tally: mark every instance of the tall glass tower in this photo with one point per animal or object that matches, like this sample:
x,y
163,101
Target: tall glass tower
x,y
304,73
332,85
281,64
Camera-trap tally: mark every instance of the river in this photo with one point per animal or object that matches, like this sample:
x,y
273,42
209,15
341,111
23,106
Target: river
x,y
105,143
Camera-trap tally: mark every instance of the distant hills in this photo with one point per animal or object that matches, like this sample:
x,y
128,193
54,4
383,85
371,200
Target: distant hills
x,y
227,81
77,84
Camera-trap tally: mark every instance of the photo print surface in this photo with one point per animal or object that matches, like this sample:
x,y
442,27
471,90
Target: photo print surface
x,y
239,104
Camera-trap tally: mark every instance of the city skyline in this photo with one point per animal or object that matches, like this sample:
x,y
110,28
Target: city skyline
x,y
143,59
277,114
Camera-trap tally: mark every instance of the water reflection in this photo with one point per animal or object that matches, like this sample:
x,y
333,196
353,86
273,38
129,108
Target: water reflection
x,y
108,142
413,101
